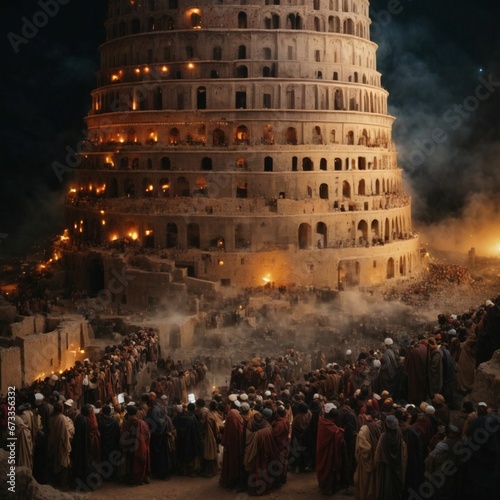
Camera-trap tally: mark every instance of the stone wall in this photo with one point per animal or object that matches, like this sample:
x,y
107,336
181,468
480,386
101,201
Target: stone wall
x,y
10,368
38,355
487,382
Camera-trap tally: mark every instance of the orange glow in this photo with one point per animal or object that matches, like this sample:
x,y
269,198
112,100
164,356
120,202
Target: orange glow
x,y
114,78
190,65
164,69
137,70
148,232
113,237
133,235
146,69
267,278
103,222
221,262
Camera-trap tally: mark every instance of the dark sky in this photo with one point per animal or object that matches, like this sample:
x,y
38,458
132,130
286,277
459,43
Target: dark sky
x,y
430,54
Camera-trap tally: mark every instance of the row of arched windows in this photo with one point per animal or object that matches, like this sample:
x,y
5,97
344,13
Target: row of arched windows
x,y
270,20
165,187
307,236
206,163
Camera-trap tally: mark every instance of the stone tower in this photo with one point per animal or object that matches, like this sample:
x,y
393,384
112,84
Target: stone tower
x,y
248,141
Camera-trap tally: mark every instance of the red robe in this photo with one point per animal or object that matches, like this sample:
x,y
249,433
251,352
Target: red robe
x,y
331,454
135,440
232,459
260,456
281,434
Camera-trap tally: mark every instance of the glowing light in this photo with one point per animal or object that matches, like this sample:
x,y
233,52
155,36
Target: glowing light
x,y
114,237
148,232
190,65
133,235
267,278
102,212
146,69
103,222
137,70
164,69
114,78
220,262
72,190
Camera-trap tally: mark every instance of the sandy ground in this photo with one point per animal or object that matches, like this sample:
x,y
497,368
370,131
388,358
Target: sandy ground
x,y
299,486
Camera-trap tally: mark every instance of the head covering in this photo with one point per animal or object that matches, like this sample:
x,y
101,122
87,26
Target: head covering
x,y
38,398
69,402
388,341
423,406
376,363
267,413
244,397
391,422
489,303
316,396
430,410
164,397
348,352
441,447
483,404
329,406
267,394
238,404
244,407
438,399
232,397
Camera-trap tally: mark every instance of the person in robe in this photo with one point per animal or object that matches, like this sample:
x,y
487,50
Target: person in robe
x,y
109,430
155,418
134,440
331,453
281,433
260,453
391,458
416,372
300,436
467,362
389,369
85,453
189,443
435,373
61,434
213,430
365,484
24,440
348,421
232,458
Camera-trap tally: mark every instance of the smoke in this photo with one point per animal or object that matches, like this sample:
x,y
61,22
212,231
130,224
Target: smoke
x,y
446,105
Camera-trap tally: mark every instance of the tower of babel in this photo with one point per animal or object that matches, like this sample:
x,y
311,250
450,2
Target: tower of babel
x,y
246,142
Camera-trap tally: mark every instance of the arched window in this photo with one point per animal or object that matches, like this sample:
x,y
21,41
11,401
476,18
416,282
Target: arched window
x,y
195,20
291,136
323,191
218,137
124,165
268,164
172,235
346,189
321,233
362,188
242,135
304,236
242,20
164,187
242,52
295,162
147,188
242,71
322,164
201,186
390,268
129,188
201,98
206,163
174,136
165,163
307,164
350,138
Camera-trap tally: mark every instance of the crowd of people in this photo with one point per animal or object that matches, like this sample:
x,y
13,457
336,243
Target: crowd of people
x,y
392,422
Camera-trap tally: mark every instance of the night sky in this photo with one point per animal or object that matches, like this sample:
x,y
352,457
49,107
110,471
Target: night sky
x,y
432,54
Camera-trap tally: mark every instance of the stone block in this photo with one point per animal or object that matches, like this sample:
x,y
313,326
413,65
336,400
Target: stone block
x,y
487,382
